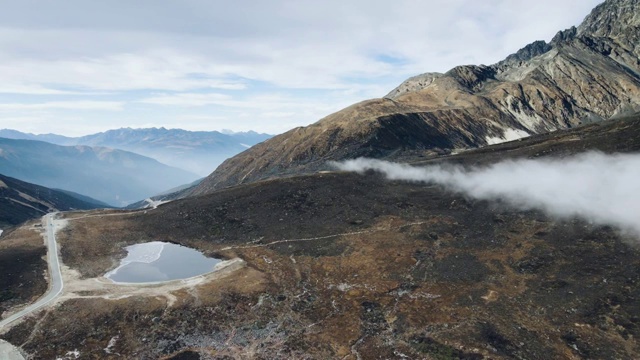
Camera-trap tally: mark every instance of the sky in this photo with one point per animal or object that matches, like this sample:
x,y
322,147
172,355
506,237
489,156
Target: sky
x,y
76,67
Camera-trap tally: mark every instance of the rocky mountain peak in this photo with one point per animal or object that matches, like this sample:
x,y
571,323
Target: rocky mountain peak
x,y
564,35
585,74
471,76
414,83
612,18
528,52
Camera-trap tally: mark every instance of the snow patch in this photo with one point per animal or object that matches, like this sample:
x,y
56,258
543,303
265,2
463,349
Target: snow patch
x,y
75,354
155,203
245,145
111,344
145,253
142,253
1,232
342,287
508,135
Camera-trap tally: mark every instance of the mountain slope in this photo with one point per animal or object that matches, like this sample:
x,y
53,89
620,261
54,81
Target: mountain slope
x,y
113,176
344,266
584,74
21,201
196,151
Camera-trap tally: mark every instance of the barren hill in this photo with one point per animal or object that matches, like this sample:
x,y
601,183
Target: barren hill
x,y
340,265
585,74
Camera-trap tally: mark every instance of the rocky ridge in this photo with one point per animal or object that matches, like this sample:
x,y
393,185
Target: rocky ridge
x,y
583,75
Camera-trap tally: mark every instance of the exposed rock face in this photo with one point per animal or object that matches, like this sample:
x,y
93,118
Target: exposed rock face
x,y
584,74
414,83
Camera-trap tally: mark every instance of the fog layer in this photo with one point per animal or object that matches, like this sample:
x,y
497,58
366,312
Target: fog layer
x,y
604,189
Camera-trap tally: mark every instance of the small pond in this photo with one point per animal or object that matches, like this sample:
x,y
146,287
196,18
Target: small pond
x,y
160,261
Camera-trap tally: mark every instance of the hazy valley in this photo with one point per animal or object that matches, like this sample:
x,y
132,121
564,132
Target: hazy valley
x,y
198,152
115,177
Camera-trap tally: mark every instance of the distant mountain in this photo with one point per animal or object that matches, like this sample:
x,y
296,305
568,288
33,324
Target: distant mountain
x,y
247,138
115,177
585,74
21,201
51,138
197,151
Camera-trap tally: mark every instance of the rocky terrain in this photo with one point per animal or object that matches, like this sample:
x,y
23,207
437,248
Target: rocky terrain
x,y
336,265
340,265
584,74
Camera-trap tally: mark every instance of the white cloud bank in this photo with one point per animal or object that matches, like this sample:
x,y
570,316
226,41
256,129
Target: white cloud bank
x,y
604,189
157,56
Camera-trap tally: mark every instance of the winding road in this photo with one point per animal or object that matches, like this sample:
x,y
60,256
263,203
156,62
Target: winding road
x,y
55,278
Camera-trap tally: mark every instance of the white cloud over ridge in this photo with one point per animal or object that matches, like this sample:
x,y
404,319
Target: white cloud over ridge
x,y
601,188
308,50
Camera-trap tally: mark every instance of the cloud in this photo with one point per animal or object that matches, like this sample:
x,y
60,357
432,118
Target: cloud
x,y
160,69
36,90
363,48
275,112
187,99
285,43
601,188
66,105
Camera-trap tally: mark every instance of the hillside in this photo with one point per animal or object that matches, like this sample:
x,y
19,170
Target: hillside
x,y
583,75
115,177
199,152
21,201
507,226
341,265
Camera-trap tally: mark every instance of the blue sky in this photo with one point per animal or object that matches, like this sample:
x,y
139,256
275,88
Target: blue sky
x,y
76,67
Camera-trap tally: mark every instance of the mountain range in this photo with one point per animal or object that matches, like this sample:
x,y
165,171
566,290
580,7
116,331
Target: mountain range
x,y
343,265
586,74
198,152
115,177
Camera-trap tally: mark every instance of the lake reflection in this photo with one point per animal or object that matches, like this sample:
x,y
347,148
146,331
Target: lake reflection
x,y
160,261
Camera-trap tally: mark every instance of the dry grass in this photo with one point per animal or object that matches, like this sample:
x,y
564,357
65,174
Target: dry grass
x,y
28,235
22,266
